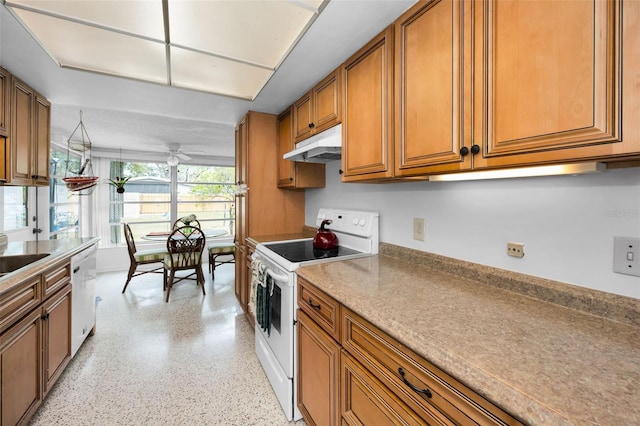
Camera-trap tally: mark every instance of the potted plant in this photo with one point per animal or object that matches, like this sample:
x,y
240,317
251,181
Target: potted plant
x,y
118,183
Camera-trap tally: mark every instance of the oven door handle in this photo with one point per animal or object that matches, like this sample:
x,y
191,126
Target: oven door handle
x,y
283,278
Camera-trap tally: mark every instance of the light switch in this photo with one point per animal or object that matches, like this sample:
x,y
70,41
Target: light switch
x,y
626,258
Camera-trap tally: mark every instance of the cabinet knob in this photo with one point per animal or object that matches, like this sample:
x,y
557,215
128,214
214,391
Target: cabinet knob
x,y
291,179
464,151
475,149
340,172
311,125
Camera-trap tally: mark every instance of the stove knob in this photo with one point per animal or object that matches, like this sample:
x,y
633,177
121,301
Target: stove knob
x,y
362,222
355,221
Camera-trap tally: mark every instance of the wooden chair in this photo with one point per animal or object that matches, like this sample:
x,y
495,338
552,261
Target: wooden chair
x,y
137,258
220,249
184,252
189,220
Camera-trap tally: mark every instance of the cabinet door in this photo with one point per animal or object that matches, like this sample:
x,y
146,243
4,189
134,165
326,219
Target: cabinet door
x,y
429,94
241,179
42,140
22,100
303,117
57,336
286,168
5,101
291,174
318,374
246,290
21,370
548,80
367,144
327,106
366,401
241,276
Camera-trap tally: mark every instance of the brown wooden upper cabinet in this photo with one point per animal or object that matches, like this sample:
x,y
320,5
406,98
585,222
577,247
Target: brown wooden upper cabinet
x,y
5,101
28,162
548,81
295,175
319,109
430,77
367,130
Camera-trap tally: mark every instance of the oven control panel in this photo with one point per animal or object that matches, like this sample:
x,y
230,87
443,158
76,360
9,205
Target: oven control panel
x,y
360,223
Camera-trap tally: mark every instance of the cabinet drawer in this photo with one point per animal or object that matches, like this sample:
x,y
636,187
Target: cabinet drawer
x,y
56,278
324,310
365,400
400,369
19,301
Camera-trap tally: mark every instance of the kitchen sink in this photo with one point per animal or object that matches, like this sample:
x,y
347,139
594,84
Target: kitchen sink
x,y
12,263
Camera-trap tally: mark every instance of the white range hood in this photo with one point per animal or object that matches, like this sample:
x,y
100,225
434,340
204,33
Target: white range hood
x,y
320,148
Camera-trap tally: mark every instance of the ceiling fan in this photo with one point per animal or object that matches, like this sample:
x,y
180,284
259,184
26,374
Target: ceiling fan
x,y
175,155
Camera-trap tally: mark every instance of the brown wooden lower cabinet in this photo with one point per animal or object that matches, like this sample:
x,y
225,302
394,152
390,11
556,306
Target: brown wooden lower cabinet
x,y
318,378
35,349
381,381
21,371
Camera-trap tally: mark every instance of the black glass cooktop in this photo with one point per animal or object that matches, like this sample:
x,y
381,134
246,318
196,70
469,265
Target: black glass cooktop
x,y
301,251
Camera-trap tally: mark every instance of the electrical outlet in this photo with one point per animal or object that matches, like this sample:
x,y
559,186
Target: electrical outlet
x,y
515,249
418,228
626,255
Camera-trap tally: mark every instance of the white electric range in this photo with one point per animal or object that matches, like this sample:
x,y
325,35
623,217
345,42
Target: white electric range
x,y
358,236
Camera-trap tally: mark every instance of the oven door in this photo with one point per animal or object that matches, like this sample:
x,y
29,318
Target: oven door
x,y
279,336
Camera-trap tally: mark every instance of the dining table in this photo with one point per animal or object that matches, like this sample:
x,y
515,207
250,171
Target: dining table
x,y
163,235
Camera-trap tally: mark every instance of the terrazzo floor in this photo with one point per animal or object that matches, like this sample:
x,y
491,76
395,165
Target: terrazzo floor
x,y
188,362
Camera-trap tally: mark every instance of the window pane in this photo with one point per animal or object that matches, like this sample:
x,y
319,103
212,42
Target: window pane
x,y
64,205
209,193
15,207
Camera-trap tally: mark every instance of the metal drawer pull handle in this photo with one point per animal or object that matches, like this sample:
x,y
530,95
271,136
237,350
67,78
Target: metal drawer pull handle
x,y
425,392
313,305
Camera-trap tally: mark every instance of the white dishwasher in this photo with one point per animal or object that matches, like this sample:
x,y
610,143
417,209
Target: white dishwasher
x,y
83,296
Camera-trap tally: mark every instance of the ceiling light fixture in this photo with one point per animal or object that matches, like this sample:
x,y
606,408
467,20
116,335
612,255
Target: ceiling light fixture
x,y
173,159
553,170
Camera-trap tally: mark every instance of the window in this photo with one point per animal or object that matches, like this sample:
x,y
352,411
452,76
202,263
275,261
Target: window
x,y
64,205
14,208
148,203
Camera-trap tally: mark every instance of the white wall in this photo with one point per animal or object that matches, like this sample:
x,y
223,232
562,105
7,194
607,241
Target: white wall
x,y
566,222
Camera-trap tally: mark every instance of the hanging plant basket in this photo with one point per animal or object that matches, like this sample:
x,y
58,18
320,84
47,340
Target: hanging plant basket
x,y
81,181
118,183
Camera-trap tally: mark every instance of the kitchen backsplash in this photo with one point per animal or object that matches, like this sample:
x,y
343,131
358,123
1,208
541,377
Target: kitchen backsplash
x,y
567,223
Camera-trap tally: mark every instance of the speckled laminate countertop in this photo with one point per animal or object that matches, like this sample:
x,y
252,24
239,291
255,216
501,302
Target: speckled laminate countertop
x,y
544,363
57,249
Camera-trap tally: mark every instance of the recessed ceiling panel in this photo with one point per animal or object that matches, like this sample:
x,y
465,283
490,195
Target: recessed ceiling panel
x,y
207,73
259,32
134,16
85,47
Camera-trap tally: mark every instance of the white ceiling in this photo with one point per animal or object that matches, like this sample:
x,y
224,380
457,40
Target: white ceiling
x,y
131,115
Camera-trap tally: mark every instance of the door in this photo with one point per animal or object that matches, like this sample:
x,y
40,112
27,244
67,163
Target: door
x,y
326,102
5,101
286,168
42,138
319,373
56,335
22,101
430,88
547,80
303,117
367,131
21,369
